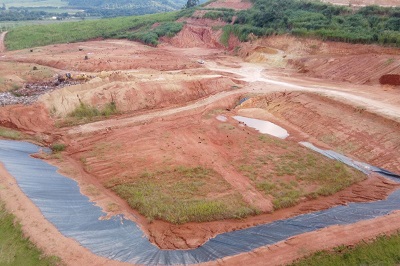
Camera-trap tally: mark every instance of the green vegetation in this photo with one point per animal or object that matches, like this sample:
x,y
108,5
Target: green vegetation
x,y
383,251
150,35
10,134
223,14
134,28
289,176
15,249
69,9
58,147
371,24
85,113
89,112
181,195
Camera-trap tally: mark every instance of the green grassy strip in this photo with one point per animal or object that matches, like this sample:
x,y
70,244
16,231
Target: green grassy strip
x,y
15,249
87,111
10,134
385,250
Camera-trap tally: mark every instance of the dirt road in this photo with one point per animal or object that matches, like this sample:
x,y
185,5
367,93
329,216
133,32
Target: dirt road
x,y
2,46
258,83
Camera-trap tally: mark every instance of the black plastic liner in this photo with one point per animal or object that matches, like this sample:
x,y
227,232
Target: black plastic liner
x,y
61,202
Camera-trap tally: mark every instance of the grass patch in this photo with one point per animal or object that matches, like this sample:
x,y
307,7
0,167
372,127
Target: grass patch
x,y
293,173
87,111
180,195
132,27
382,251
58,147
15,249
10,133
150,36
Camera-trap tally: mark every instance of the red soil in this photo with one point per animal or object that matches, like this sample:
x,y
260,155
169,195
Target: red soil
x,y
183,129
390,79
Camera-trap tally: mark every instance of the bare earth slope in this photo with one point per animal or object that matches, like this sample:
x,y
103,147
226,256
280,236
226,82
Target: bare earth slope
x,y
170,101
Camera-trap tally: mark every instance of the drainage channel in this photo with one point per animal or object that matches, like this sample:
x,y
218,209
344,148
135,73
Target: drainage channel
x,y
72,213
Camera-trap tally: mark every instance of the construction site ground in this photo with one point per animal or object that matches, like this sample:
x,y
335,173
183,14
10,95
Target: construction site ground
x,y
168,100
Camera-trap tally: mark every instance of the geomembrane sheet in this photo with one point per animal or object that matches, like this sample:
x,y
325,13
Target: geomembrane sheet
x,y
61,202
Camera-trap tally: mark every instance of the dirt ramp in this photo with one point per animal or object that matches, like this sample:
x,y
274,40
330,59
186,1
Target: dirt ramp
x,y
354,63
390,79
32,118
137,93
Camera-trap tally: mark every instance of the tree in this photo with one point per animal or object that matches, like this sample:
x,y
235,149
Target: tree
x,y
192,3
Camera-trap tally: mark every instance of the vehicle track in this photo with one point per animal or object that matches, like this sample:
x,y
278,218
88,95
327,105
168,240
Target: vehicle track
x,y
257,84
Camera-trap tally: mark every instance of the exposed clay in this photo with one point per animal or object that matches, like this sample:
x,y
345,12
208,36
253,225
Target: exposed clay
x,y
390,79
170,103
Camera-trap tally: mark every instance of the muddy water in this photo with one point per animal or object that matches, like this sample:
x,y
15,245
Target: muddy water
x,y
264,127
61,202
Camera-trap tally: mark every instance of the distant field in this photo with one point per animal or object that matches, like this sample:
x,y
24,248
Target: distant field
x,y
9,25
34,3
133,27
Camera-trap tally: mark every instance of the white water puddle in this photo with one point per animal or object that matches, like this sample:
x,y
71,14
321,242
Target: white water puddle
x,y
264,127
222,118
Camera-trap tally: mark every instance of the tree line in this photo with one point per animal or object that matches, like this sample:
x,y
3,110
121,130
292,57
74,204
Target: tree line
x,y
370,24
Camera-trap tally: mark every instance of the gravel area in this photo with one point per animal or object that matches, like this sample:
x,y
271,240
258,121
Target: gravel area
x,y
31,92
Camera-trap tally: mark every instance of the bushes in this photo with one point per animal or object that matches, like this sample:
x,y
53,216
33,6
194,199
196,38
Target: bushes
x,y
58,147
370,24
150,36
225,15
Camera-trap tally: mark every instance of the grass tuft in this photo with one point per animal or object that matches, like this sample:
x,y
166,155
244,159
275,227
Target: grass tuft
x,y
88,113
58,147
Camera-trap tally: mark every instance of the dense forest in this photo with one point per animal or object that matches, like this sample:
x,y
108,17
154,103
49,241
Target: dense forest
x,y
370,24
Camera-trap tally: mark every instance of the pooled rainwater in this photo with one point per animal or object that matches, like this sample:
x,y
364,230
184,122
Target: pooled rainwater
x,y
264,127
